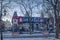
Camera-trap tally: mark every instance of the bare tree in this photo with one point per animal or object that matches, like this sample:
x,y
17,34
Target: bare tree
x,y
28,6
54,4
4,6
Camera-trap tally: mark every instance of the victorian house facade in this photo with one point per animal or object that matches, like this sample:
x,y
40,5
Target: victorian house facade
x,y
22,21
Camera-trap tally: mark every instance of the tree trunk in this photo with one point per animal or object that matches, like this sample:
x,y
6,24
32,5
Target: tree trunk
x,y
57,27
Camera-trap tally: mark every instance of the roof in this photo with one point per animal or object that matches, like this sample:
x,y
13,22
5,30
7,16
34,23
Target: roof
x,y
15,15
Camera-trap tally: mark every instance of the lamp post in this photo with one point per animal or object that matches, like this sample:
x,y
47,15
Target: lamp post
x,y
1,29
1,21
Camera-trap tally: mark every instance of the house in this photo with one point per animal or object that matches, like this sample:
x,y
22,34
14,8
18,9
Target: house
x,y
22,21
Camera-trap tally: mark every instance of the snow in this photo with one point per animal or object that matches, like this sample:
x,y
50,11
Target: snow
x,y
30,39
9,36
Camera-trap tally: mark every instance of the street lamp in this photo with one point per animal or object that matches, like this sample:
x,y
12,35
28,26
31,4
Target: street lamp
x,y
1,21
1,29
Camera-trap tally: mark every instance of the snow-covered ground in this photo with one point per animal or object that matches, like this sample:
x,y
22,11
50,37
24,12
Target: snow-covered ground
x,y
30,39
9,34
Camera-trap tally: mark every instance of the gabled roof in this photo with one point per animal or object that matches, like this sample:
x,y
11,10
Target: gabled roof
x,y
15,15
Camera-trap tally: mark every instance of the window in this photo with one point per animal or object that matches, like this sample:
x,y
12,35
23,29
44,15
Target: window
x,y
20,19
37,26
14,20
